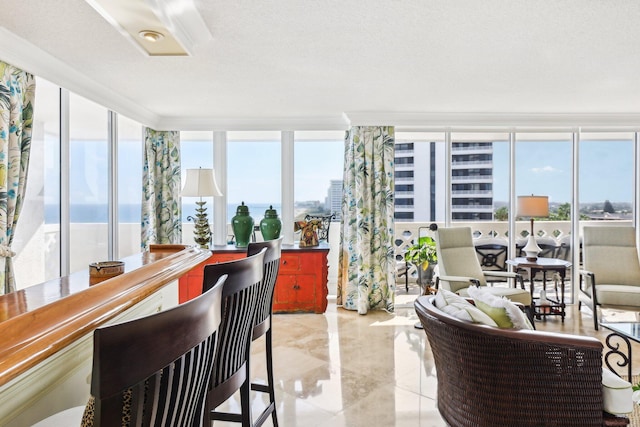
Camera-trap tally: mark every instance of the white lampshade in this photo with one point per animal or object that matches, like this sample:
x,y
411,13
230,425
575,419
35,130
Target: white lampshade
x,y
533,206
200,183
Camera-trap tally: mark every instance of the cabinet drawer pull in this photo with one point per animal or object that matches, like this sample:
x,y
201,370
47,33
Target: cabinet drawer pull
x,y
296,286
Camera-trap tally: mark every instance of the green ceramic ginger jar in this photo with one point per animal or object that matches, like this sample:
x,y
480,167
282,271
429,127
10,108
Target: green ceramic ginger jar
x,y
270,226
242,225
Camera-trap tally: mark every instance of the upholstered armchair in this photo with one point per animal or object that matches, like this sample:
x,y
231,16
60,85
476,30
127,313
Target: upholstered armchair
x,y
611,270
460,268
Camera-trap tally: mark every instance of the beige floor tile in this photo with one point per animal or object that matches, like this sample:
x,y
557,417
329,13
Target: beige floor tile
x,y
345,369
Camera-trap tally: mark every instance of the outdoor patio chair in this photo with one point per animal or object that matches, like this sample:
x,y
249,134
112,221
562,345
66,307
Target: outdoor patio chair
x,y
611,270
492,254
459,268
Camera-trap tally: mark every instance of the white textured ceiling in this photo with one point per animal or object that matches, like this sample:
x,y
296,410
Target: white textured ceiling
x,y
313,61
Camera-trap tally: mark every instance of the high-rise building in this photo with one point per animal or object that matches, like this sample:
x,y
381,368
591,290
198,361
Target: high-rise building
x,y
333,202
419,167
472,181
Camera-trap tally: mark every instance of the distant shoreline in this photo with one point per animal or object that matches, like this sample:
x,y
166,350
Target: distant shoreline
x,y
130,213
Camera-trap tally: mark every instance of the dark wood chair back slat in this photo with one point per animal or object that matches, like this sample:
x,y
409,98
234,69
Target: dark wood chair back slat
x,y
271,267
239,297
156,369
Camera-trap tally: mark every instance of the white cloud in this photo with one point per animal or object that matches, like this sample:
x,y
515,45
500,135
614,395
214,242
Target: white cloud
x,y
545,169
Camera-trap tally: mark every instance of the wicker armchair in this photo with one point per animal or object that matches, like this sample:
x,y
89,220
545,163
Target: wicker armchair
x,y
501,377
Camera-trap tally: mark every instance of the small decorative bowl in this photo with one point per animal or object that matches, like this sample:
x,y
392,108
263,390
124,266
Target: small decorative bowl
x,y
99,271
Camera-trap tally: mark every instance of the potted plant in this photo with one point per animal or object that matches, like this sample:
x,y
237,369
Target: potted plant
x,y
423,255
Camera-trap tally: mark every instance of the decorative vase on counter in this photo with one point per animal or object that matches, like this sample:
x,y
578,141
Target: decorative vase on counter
x,y
242,225
270,226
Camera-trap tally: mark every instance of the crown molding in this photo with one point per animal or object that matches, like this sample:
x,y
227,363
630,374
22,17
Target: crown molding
x,y
252,124
20,53
495,121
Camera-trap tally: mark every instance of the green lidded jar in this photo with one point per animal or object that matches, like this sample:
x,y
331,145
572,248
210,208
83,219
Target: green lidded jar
x,y
242,225
270,226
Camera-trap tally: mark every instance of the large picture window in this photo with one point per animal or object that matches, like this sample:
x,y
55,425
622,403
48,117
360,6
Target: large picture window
x,y
88,182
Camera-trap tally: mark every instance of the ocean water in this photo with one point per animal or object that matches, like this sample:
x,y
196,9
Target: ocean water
x,y
98,213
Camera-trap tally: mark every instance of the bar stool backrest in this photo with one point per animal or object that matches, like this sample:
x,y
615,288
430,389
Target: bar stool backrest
x,y
239,297
156,369
262,321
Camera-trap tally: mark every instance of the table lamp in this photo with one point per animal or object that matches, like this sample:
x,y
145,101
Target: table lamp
x,y
533,206
201,183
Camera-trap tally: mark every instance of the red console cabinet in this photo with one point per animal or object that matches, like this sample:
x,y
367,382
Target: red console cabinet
x,y
302,279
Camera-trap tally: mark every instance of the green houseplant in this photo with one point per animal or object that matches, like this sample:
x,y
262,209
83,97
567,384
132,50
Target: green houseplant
x,y
423,255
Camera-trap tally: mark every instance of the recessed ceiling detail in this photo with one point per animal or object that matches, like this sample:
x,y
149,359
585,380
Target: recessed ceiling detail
x,y
156,27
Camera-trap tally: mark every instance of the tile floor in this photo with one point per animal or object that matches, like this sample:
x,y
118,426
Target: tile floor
x,y
344,369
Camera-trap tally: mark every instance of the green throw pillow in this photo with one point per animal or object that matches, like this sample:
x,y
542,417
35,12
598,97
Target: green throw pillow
x,y
504,312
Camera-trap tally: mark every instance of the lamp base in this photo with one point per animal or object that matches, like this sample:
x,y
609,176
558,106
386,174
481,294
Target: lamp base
x,y
532,249
202,231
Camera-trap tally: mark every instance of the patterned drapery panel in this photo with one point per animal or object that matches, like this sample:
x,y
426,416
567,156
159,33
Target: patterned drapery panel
x,y
17,94
366,276
161,211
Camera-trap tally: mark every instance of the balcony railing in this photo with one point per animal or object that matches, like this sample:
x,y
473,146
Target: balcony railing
x,y
488,178
467,192
461,163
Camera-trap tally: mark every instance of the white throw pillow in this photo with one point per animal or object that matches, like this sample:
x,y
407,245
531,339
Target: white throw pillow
x,y
616,394
504,312
460,308
445,297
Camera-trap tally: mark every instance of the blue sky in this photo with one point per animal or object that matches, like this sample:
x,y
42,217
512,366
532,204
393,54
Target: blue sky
x,y
254,169
544,168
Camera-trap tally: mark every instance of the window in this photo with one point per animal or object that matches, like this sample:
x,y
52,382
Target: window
x,y
418,173
404,160
318,170
475,191
606,176
37,238
88,181
196,151
403,174
544,168
404,188
130,149
253,172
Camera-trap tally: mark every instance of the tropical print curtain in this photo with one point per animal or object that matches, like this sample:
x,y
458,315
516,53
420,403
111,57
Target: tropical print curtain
x,y
366,275
161,211
17,95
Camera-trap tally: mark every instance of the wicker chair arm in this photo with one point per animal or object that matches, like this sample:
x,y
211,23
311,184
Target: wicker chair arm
x,y
522,334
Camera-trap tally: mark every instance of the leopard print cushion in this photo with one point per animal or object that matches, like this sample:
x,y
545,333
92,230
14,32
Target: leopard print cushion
x,y
89,410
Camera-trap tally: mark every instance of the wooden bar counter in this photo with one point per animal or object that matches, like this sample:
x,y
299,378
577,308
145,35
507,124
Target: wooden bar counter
x,y
39,321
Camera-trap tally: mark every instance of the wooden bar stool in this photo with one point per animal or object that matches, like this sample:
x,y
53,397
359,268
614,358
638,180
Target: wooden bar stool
x,y
262,322
152,371
240,295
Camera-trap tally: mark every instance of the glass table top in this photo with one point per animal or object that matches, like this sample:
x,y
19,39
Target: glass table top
x,y
630,330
